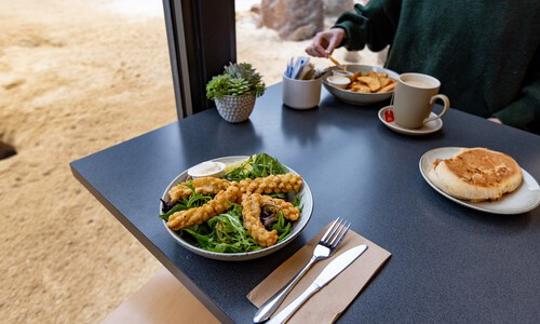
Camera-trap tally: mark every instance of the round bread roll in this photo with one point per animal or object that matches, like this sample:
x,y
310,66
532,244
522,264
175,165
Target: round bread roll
x,y
477,174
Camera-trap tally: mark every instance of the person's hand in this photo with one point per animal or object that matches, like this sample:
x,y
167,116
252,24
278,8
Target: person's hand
x,y
495,120
325,42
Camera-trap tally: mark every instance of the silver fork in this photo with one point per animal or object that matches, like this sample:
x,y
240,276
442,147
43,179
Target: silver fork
x,y
326,246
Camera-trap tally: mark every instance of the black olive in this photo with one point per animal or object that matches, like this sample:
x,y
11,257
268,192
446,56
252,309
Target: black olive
x,y
166,206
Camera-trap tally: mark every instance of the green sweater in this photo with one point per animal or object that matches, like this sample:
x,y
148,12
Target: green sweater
x,y
486,53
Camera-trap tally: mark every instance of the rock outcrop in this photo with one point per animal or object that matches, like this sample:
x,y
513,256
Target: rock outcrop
x,y
337,7
294,20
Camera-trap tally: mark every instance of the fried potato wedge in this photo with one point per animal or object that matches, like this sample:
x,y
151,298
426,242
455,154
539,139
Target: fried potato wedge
x,y
359,87
372,82
388,87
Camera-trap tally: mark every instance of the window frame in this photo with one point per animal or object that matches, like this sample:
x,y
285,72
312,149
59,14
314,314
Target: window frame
x,y
201,36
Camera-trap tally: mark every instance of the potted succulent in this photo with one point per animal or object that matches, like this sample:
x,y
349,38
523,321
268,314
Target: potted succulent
x,y
235,90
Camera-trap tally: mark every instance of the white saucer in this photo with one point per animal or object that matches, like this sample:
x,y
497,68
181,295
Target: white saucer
x,y
428,128
524,199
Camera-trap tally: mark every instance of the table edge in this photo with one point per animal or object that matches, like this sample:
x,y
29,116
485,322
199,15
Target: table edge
x,y
154,250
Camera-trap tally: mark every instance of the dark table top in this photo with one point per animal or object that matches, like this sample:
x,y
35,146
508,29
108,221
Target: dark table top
x,y
449,263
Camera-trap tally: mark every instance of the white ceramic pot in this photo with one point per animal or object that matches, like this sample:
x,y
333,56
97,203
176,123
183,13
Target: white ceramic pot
x,y
235,109
301,94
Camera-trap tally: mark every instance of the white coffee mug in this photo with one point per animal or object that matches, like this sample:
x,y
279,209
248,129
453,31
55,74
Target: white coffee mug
x,y
301,94
414,98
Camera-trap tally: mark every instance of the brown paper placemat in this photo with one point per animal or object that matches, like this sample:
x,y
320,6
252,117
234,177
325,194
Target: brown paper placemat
x,y
328,304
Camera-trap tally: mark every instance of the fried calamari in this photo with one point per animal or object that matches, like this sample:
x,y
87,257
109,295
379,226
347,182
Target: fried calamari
x,y
198,215
289,211
203,185
252,194
272,184
251,212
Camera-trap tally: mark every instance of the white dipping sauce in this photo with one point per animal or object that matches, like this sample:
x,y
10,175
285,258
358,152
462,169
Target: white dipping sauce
x,y
339,81
206,169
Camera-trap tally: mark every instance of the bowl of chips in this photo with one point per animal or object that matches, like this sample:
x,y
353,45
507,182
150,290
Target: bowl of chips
x,y
369,84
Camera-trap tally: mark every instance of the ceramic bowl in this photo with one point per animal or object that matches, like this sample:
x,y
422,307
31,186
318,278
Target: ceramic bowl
x,y
355,98
185,241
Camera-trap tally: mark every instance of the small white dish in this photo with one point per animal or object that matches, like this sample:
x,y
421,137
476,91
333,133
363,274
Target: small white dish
x,y
524,199
339,81
207,169
428,128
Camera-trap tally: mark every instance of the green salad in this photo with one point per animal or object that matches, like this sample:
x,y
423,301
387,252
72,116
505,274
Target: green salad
x,y
225,233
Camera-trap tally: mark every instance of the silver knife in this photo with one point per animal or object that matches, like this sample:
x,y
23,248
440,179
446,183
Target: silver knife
x,y
329,272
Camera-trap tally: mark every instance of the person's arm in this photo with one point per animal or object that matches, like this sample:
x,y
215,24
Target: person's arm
x,y
524,112
373,25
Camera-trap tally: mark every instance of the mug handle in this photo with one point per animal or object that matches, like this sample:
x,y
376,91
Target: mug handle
x,y
446,106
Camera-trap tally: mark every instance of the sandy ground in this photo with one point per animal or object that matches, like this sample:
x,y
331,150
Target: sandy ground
x,y
77,77
74,79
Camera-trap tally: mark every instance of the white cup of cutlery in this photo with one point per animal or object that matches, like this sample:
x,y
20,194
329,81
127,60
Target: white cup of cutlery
x,y
301,94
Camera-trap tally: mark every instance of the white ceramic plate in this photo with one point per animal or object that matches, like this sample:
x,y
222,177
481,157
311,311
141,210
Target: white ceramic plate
x,y
428,128
524,199
355,98
305,197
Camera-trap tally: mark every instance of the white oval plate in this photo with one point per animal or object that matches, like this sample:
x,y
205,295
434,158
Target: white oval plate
x,y
305,197
524,199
